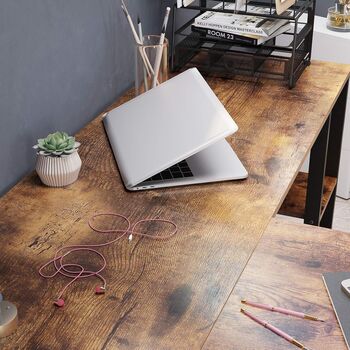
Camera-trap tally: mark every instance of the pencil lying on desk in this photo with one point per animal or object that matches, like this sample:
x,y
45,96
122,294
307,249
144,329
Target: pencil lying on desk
x,y
281,310
275,330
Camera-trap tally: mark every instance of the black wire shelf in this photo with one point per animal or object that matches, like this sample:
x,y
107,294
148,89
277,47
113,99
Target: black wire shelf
x,y
283,57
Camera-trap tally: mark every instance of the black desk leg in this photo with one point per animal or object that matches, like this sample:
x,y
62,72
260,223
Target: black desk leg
x,y
324,161
334,151
317,169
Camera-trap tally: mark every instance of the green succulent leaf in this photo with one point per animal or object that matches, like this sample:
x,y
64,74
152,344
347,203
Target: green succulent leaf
x,y
63,145
70,151
50,147
57,144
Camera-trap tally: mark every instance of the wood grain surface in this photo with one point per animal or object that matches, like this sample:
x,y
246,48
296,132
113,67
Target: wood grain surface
x,y
294,203
160,295
285,270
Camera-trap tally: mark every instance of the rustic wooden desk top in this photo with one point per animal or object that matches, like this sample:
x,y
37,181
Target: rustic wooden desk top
x,y
160,295
286,270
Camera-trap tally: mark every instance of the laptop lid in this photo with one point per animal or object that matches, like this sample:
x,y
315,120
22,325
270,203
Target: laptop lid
x,y
166,125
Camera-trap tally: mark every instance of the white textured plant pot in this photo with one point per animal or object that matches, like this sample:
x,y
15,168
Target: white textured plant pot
x,y
58,171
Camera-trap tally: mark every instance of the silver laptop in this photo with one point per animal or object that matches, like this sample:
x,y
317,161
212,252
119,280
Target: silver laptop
x,y
174,135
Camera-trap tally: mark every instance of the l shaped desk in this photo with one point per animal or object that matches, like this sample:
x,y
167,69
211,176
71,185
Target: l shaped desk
x,y
164,295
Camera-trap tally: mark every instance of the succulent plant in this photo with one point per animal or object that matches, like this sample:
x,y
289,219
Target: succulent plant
x,y
57,144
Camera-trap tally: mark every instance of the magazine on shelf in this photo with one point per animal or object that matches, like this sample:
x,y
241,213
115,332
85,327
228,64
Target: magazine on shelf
x,y
246,39
239,23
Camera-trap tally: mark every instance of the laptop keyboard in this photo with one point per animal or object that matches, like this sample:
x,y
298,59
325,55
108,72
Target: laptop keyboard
x,y
177,171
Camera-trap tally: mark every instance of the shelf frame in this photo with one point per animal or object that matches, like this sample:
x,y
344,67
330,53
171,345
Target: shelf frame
x,y
334,150
317,172
319,187
187,44
296,10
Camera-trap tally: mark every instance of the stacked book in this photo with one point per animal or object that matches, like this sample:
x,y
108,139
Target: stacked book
x,y
242,28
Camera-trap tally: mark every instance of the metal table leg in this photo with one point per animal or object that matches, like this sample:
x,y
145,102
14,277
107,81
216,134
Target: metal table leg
x,y
317,169
324,161
334,151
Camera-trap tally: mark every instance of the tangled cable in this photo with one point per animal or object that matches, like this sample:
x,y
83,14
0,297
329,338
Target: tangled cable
x,y
77,271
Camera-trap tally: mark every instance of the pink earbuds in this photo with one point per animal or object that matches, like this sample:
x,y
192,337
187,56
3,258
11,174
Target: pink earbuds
x,y
59,302
100,290
76,271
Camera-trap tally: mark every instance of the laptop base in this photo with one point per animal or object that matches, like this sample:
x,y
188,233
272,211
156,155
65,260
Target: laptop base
x,y
215,163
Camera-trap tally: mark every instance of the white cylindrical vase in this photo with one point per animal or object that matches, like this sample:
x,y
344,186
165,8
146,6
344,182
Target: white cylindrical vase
x,y
58,171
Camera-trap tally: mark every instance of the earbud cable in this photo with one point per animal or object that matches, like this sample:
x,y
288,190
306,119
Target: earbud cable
x,y
77,271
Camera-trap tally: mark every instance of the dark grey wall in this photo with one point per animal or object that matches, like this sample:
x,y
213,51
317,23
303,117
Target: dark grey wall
x,y
322,7
61,63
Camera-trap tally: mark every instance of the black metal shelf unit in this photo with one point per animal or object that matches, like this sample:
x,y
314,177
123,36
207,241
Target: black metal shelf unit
x,y
284,57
